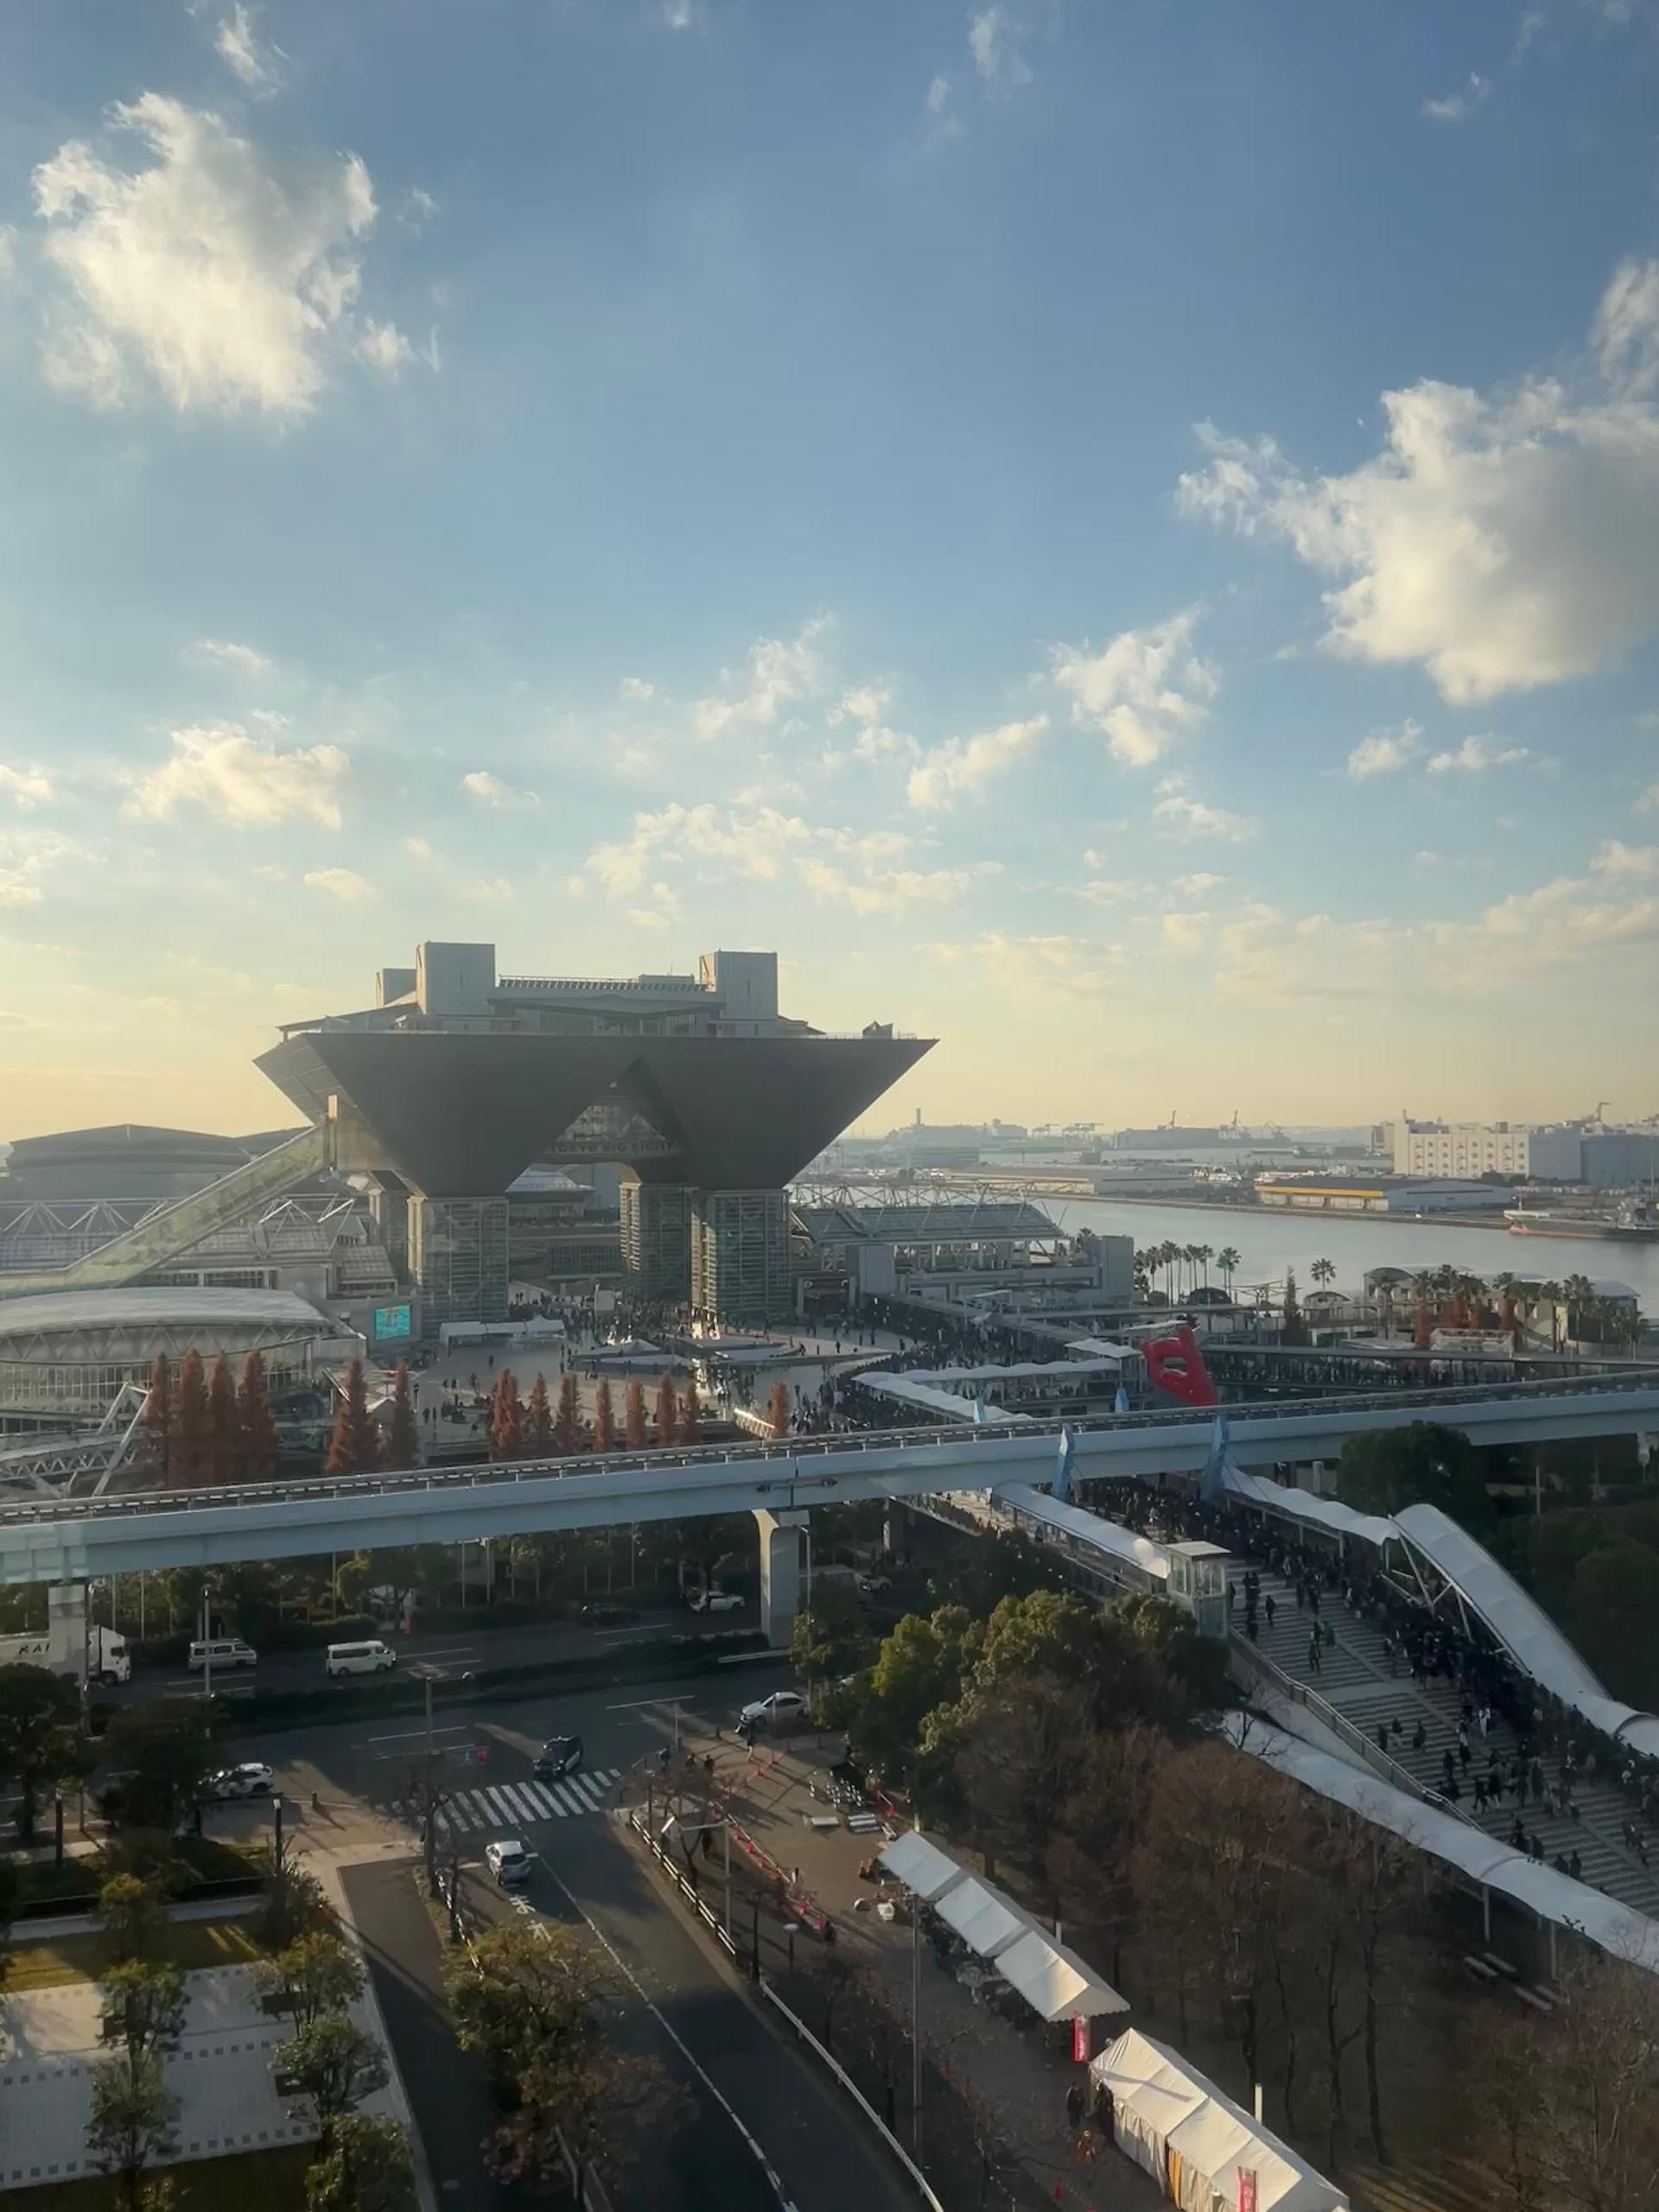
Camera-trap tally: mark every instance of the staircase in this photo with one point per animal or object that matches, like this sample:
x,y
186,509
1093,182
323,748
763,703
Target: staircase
x,y
1353,1677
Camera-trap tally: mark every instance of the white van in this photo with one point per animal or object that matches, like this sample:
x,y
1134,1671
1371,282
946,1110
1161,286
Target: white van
x,y
371,1658
224,1651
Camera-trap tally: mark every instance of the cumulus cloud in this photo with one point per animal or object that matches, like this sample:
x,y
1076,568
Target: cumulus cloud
x,y
778,669
1109,891
1504,542
868,871
1459,106
419,850
8,251
246,780
213,270
1144,692
1648,802
1196,887
962,766
224,652
1053,970
1475,756
1385,752
1617,859
342,883
994,43
490,791
1188,821
29,859
384,347
635,687
25,787
1184,932
15,889
246,55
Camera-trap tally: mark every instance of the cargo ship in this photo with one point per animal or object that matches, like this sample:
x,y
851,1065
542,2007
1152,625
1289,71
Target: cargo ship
x,y
1629,1226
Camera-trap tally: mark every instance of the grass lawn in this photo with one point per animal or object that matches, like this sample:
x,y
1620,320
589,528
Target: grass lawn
x,y
266,2181
189,1944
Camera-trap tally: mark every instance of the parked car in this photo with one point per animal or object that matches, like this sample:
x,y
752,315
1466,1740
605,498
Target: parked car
x,y
508,1861
869,1583
559,1755
716,1601
767,1711
251,1779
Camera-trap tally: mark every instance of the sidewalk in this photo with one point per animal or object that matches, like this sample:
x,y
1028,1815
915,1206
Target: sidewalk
x,y
1007,2070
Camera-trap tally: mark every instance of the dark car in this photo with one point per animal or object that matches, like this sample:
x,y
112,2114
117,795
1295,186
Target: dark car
x,y
608,1615
559,1755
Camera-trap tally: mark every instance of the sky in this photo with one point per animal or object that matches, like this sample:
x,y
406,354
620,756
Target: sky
x,y
1120,534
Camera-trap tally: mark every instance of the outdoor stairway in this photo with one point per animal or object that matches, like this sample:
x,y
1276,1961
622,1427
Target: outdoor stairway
x,y
1354,1677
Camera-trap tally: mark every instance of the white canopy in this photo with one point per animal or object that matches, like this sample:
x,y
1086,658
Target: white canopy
x,y
951,1404
987,1921
921,1865
1073,1524
1162,2105
1025,1370
1054,1982
1328,1513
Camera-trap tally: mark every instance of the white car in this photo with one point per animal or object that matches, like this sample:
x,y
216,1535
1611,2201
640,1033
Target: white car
x,y
508,1861
251,1779
869,1583
767,1711
717,1601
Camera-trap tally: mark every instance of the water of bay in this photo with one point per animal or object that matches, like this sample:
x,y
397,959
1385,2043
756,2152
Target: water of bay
x,y
1269,1241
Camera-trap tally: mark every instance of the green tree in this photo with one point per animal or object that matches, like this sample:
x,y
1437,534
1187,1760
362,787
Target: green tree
x,y
354,1446
1609,1613
335,2063
403,1436
538,1421
1382,1470
363,2166
223,1430
314,1975
133,2122
1228,1263
830,1638
41,1741
133,1911
1293,1330
1324,1272
256,1438
525,1986
142,2005
981,1571
166,1747
294,1903
918,1671
191,1463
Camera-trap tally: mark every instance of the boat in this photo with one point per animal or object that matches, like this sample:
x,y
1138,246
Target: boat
x,y
1625,1227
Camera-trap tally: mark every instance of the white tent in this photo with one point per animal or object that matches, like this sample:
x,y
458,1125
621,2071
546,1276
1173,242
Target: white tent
x,y
1194,2141
1054,1982
986,1921
922,1868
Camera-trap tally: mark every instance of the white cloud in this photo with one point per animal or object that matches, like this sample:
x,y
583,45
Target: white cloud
x,y
491,891
1189,821
258,65
635,687
1615,859
1386,751
1504,542
245,781
384,347
1144,692
29,858
1196,887
1475,756
865,702
16,891
992,41
962,766
8,251
419,850
778,669
416,208
490,791
943,124
1054,970
866,871
224,652
344,884
1106,890
26,787
1185,933
1457,107
1648,802
216,270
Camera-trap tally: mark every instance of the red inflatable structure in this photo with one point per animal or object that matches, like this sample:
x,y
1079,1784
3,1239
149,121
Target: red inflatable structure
x,y
1175,1365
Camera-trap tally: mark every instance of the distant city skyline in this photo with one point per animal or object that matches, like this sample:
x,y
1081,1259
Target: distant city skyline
x,y
1124,539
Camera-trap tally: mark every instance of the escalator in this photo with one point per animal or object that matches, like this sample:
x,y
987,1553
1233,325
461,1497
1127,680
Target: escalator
x,y
175,1228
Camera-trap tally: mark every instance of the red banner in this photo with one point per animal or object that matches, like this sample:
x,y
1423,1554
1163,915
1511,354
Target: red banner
x,y
1081,2040
1246,2188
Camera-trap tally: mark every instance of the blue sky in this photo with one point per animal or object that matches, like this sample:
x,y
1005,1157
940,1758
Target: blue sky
x,y
1124,536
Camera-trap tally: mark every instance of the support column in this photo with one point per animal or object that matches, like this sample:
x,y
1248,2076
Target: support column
x,y
655,1228
740,1254
780,1572
66,1626
458,1258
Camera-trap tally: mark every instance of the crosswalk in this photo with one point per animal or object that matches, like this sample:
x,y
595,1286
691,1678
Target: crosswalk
x,y
510,1804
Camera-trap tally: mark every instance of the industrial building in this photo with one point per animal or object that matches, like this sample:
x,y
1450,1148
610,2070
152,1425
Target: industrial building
x,y
1586,1152
1397,1194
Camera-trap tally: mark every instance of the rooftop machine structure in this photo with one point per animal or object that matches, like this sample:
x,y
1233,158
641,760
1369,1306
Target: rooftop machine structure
x,y
457,1079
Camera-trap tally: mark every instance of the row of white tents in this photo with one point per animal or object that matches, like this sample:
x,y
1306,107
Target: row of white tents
x,y
1206,2152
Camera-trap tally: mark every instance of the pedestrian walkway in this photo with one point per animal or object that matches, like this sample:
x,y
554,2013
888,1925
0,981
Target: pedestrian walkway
x,y
508,1805
1355,1676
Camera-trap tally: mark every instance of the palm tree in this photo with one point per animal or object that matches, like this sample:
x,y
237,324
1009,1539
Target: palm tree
x,y
1578,1293
1203,1254
1323,1272
1228,1263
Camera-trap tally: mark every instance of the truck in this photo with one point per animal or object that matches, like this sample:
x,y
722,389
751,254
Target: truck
x,y
58,1649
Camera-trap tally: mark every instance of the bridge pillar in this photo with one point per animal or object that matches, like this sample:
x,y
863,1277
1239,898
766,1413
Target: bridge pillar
x,y
66,1624
780,1571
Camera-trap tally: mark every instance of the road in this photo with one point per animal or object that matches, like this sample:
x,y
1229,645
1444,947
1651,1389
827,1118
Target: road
x,y
681,2001
453,1652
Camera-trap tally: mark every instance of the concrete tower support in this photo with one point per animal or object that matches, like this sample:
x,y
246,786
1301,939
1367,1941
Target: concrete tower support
x,y
656,1220
458,1258
740,1254
780,1572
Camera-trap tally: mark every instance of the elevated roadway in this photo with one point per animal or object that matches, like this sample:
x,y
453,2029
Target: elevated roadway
x,y
75,1540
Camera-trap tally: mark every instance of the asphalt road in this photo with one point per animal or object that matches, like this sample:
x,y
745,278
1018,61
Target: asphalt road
x,y
453,1652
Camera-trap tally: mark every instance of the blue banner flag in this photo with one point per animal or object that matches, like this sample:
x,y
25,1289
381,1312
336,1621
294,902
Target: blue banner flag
x,y
1061,1485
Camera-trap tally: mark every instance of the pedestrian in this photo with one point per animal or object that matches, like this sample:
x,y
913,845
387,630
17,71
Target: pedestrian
x,y
1480,1794
1419,1737
1074,2107
1314,1652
